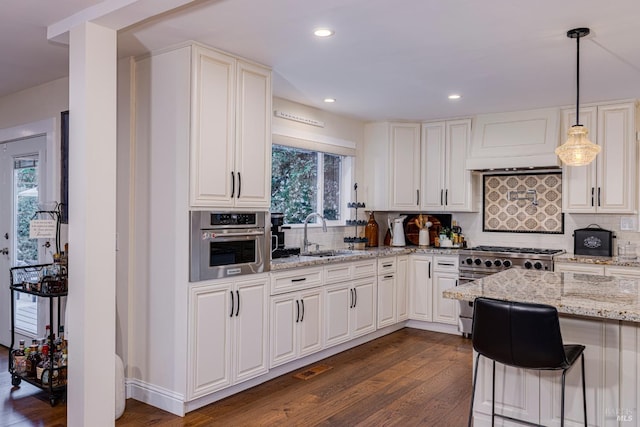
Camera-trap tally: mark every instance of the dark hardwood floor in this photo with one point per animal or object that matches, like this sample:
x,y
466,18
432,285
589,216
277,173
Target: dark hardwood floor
x,y
408,378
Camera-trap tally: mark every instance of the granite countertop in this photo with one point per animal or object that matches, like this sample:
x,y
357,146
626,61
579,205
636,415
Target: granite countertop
x,y
344,255
601,260
604,297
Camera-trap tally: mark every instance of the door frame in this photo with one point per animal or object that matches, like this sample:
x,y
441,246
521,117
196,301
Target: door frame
x,y
51,173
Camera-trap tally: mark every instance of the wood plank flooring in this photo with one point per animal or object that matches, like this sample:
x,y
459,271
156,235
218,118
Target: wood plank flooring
x,y
408,378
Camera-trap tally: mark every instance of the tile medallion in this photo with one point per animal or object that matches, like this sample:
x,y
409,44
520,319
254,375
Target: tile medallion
x,y
523,203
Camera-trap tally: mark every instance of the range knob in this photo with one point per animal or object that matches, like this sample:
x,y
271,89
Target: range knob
x,y
527,264
488,263
469,261
537,265
477,261
507,263
497,263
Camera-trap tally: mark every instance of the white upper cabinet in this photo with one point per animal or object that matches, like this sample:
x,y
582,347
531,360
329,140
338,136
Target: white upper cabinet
x,y
392,166
446,183
405,166
609,183
230,131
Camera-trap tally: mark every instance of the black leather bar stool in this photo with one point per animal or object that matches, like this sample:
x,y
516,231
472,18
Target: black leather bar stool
x,y
525,336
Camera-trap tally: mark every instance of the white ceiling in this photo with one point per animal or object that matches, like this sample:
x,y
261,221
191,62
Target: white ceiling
x,y
388,59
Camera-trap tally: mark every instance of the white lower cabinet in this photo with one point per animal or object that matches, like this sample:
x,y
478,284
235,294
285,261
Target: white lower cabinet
x,y
445,276
420,287
350,310
392,290
402,287
227,343
429,275
296,325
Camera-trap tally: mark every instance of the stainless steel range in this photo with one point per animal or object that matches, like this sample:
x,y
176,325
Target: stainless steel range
x,y
482,261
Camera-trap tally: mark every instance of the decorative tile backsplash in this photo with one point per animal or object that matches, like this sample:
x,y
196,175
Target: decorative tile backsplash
x,y
523,203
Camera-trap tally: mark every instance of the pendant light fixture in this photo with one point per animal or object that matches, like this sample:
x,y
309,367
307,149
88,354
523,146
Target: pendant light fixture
x,y
578,150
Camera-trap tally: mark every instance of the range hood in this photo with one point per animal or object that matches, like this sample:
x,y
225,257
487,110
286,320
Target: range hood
x,y
520,140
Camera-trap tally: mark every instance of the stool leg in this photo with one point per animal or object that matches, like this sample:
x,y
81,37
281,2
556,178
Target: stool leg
x,y
564,373
584,393
493,395
473,389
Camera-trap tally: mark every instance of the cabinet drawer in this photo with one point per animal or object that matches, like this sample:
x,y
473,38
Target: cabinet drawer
x,y
337,273
364,269
445,263
287,281
386,265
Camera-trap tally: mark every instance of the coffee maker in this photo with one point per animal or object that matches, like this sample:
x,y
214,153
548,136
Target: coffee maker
x,y
278,249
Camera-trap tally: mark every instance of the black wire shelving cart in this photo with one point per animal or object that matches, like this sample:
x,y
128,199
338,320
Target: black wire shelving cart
x,y
43,281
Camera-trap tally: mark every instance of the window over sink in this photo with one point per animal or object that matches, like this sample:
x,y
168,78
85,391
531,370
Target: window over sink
x,y
305,181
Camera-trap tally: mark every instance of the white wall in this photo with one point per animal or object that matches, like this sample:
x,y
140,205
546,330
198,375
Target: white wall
x,y
36,103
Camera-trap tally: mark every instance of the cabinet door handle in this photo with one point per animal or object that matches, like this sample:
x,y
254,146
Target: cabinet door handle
x,y
592,196
355,300
598,196
351,298
387,265
239,184
297,311
301,279
238,307
232,304
418,197
389,276
233,184
302,317
429,271
441,193
446,197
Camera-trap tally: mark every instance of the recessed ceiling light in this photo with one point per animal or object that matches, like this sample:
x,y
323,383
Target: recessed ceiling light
x,y
323,32
455,96
329,100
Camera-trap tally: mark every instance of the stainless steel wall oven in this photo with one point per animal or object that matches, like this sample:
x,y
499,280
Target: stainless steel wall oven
x,y
225,244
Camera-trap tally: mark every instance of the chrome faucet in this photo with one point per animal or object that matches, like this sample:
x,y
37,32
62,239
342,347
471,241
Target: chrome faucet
x,y
305,242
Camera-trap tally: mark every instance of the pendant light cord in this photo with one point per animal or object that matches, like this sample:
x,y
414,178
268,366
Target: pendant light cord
x,y
578,81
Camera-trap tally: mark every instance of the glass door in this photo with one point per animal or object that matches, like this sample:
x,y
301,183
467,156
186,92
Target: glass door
x,y
21,193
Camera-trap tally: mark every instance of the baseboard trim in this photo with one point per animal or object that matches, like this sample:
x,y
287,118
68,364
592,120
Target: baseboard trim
x,y
153,395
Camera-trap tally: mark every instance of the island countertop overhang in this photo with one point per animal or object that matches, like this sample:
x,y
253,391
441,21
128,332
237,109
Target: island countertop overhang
x,y
603,297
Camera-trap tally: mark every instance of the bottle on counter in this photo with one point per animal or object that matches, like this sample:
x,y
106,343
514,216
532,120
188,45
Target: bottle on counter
x,y
371,232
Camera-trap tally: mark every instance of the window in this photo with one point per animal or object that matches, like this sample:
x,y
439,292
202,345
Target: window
x,y
304,181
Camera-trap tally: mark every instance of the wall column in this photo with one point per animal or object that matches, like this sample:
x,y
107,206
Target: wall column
x,y
92,225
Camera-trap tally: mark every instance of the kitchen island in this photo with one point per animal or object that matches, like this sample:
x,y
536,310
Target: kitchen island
x,y
600,312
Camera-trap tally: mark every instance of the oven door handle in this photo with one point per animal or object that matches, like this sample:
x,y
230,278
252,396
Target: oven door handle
x,y
251,233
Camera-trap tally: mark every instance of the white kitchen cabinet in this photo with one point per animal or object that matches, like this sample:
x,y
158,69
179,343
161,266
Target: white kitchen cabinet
x,y
230,131
420,287
402,287
227,340
609,183
602,376
392,166
623,272
445,276
392,290
296,325
350,310
446,183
